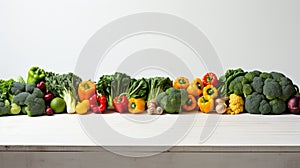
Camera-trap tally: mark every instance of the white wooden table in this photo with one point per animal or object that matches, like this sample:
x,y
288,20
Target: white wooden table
x,y
207,140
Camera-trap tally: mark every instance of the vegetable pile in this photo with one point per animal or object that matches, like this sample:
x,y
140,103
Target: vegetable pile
x,y
235,92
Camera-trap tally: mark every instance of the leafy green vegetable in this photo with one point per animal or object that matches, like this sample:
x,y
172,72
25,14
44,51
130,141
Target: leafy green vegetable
x,y
5,86
158,85
138,89
225,81
113,85
64,86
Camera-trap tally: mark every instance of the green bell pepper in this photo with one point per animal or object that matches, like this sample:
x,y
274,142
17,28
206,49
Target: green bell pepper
x,y
35,75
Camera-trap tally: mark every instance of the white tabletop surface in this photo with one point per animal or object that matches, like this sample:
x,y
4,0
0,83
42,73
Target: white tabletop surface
x,y
194,129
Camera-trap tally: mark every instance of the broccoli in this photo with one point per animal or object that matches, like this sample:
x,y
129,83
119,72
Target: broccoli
x,y
4,107
17,88
38,93
35,106
257,84
264,107
252,103
265,75
250,76
31,102
247,89
236,86
20,98
172,99
277,76
30,87
287,87
15,109
278,106
271,89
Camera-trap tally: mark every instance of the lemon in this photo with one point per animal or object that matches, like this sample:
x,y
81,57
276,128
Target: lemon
x,y
58,105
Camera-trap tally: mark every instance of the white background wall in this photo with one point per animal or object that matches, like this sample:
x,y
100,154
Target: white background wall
x,y
252,34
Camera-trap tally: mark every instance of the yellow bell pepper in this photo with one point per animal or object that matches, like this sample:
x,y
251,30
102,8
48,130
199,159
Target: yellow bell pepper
x,y
206,104
82,107
136,105
211,91
195,88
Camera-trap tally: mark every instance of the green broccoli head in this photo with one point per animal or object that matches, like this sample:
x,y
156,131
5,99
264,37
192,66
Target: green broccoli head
x,y
4,107
277,76
264,107
236,86
15,109
287,87
30,87
20,98
38,93
34,106
272,89
172,99
247,89
250,76
17,88
252,103
265,75
278,106
257,84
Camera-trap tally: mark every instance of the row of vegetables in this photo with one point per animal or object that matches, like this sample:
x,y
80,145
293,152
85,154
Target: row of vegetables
x,y
234,92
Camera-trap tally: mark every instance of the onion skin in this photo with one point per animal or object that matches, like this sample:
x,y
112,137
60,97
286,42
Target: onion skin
x,y
294,104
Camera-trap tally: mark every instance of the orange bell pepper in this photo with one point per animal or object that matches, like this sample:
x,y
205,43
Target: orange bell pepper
x,y
190,104
181,83
86,89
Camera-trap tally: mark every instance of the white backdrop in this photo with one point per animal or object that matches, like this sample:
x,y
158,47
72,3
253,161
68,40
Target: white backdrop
x,y
252,34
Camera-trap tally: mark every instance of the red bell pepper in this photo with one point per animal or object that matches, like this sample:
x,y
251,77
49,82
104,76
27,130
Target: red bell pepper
x,y
120,103
102,102
97,103
210,79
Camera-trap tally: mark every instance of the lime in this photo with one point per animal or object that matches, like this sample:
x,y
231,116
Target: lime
x,y
58,105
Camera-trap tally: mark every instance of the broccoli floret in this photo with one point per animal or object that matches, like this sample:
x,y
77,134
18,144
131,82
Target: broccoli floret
x,y
252,103
250,76
4,107
15,109
277,76
34,106
20,98
247,89
278,106
30,87
172,99
38,93
17,88
23,110
236,86
264,107
265,75
257,84
272,89
287,88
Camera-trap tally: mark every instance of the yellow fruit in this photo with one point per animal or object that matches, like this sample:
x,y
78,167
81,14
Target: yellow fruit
x,y
82,107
